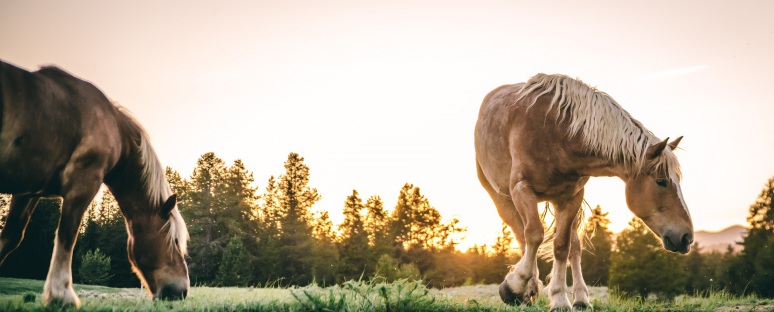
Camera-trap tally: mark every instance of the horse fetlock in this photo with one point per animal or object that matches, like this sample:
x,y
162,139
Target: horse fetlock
x,y
581,295
581,301
516,282
559,299
61,295
518,289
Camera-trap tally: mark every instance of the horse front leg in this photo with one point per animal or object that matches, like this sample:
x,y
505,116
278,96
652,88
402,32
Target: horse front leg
x,y
522,281
78,193
19,213
566,214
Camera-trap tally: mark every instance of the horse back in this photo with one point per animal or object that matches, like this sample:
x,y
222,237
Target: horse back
x,y
522,139
45,116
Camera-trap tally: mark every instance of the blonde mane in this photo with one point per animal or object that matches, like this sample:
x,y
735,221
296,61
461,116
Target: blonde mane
x,y
155,184
606,128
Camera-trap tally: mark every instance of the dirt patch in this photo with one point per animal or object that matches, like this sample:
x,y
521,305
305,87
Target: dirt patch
x,y
489,293
747,307
122,294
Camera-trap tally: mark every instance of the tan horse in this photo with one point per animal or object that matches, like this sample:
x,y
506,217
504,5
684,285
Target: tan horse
x,y
541,141
61,137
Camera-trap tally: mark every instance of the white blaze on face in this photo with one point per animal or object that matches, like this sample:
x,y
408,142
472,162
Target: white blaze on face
x,y
676,180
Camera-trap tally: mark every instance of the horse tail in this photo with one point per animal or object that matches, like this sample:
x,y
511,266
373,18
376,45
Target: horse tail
x,y
546,249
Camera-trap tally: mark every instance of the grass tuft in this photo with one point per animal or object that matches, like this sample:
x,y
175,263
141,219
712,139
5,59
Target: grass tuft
x,y
29,296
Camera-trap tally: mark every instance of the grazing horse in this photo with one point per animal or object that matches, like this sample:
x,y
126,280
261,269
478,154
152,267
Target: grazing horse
x,y
61,137
541,141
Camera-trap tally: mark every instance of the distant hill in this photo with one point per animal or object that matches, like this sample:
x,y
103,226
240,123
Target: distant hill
x,y
719,241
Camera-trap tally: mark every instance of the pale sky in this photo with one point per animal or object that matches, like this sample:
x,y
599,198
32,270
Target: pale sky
x,y
378,93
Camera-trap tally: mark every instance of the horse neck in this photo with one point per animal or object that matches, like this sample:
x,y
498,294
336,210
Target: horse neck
x,y
595,166
128,187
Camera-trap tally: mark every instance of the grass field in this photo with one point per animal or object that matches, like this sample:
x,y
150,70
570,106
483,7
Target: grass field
x,y
352,296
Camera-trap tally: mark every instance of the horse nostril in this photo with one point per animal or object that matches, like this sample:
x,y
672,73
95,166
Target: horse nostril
x,y
687,239
668,245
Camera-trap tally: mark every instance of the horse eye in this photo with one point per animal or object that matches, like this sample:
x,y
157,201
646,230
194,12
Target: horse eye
x,y
176,243
661,182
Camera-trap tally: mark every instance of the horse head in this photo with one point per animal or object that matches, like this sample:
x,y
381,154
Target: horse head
x,y
156,249
653,194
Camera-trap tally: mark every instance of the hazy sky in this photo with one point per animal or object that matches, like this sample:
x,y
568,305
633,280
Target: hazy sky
x,y
378,93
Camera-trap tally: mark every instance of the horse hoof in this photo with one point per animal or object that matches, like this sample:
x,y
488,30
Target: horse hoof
x,y
533,290
507,295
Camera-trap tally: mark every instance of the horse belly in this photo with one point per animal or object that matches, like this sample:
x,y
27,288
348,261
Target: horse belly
x,y
25,168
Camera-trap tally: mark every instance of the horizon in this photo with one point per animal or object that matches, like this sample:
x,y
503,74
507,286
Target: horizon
x,y
375,95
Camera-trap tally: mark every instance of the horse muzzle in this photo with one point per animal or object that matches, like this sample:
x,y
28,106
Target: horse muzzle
x,y
172,292
677,242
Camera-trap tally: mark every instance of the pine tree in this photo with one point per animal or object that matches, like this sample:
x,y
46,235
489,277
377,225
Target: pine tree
x,y
236,198
325,254
376,224
640,266
415,223
267,214
295,199
596,254
178,185
751,270
353,245
234,269
199,206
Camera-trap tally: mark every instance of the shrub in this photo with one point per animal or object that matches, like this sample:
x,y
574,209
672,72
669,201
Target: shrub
x,y
95,268
389,268
29,296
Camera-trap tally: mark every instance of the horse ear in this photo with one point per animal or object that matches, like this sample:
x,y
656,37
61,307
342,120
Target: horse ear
x,y
656,149
168,205
673,144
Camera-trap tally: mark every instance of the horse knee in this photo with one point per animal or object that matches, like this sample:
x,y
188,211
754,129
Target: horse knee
x,y
561,249
534,234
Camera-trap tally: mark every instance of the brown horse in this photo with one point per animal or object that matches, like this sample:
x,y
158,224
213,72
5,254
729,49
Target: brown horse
x,y
61,137
541,141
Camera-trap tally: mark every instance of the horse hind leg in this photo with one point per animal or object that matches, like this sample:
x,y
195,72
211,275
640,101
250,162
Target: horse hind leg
x,y
19,213
579,289
566,225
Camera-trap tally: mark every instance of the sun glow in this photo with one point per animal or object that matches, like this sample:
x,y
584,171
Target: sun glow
x,y
377,95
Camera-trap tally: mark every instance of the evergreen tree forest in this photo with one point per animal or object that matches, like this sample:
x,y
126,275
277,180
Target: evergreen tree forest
x,y
274,236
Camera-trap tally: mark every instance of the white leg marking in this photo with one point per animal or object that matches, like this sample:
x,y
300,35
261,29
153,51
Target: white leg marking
x,y
59,282
580,292
557,288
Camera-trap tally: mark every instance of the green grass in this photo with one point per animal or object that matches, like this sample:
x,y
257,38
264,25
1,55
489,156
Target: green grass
x,y
351,296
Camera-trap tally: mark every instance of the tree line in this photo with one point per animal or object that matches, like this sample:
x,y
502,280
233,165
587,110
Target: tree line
x,y
240,237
